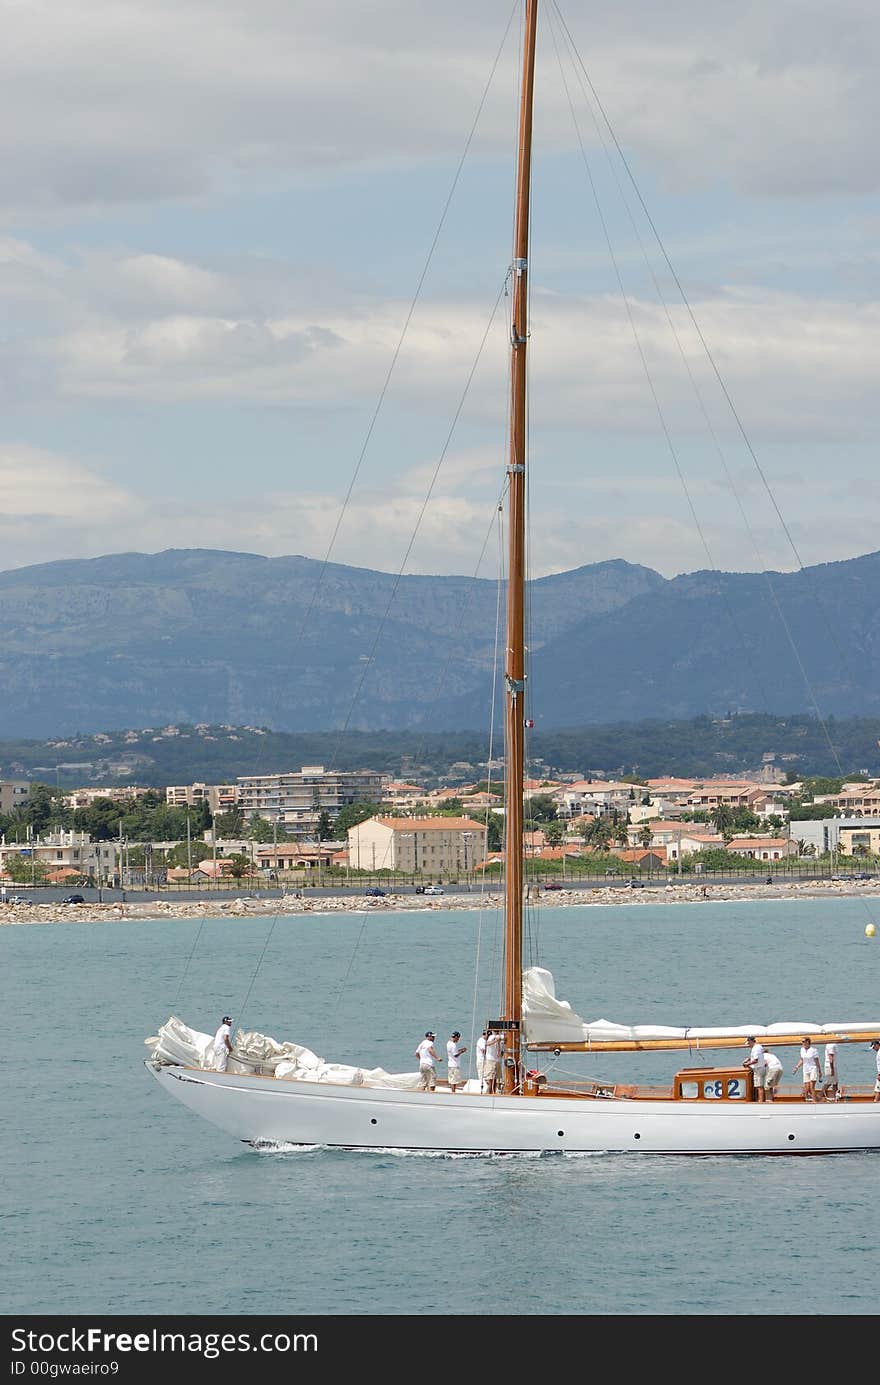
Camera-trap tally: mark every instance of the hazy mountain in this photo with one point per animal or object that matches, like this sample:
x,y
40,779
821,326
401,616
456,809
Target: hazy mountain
x,y
201,636
710,642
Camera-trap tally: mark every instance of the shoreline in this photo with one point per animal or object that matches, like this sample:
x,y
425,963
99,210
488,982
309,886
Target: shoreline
x,y
134,911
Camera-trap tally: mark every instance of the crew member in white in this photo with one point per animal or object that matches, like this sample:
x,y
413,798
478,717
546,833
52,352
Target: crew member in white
x,y
428,1061
832,1083
493,1061
758,1065
812,1073
222,1046
773,1076
481,1058
454,1049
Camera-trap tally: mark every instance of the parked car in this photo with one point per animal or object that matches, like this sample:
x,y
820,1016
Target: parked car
x,y
19,899
634,884
553,885
374,892
433,889
74,899
864,875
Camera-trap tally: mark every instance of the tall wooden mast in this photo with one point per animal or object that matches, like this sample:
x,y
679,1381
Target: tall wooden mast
x,y
515,643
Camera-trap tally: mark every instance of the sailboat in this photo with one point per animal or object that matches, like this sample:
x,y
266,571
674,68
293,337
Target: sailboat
x,y
284,1094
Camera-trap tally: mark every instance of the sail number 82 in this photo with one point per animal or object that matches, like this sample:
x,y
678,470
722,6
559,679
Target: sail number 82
x,y
733,1088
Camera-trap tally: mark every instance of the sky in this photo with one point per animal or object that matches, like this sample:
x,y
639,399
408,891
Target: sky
x,y
253,258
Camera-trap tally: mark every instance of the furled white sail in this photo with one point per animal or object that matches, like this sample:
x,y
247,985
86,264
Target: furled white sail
x,y
252,1052
548,1021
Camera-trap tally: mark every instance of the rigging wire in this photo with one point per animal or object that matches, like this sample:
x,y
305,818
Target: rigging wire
x,y
424,505
580,68
735,624
673,451
371,428
406,325
494,959
731,405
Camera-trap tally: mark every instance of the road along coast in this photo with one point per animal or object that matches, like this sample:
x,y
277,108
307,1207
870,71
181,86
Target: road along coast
x,y
146,911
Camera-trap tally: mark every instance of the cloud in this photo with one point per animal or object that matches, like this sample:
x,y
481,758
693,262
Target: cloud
x,y
146,148
103,104
57,507
163,329
39,485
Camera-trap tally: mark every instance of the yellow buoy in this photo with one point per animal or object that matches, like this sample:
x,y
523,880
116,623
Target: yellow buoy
x,y
870,930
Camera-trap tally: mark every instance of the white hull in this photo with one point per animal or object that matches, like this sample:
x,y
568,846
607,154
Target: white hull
x,y
259,1110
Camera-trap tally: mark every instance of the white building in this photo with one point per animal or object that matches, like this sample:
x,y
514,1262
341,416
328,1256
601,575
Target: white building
x,y
73,850
297,799
762,848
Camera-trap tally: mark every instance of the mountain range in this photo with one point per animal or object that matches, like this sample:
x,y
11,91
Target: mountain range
x,y
189,636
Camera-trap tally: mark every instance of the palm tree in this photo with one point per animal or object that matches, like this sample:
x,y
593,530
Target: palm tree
x,y
599,834
722,816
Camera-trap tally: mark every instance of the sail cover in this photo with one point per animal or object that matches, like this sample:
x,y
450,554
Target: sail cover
x,y
547,1020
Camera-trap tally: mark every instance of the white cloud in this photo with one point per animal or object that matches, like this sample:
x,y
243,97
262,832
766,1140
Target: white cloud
x,y
39,485
55,507
116,119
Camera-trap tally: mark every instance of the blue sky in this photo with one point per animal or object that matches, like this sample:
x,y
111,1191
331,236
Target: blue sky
x,y
214,218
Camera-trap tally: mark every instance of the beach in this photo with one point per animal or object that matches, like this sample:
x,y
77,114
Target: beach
x,y
144,911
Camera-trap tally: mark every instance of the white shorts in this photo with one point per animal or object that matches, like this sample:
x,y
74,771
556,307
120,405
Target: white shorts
x,y
760,1076
773,1079
455,1077
811,1075
427,1079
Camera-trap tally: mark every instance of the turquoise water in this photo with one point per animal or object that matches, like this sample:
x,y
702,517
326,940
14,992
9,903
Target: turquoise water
x,y
117,1200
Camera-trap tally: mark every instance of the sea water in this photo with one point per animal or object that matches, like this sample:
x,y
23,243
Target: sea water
x,y
117,1200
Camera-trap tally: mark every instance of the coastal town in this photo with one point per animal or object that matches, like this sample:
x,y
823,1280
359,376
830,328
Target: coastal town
x,y
297,830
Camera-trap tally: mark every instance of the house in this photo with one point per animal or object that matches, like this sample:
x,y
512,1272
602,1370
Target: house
x,y
533,842
298,856
641,858
214,870
762,848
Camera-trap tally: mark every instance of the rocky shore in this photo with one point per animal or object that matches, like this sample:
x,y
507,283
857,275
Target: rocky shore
x,y
656,893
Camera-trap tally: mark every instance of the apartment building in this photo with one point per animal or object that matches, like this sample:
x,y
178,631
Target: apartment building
x,y
854,800
220,798
595,796
861,839
297,799
430,846
14,793
84,798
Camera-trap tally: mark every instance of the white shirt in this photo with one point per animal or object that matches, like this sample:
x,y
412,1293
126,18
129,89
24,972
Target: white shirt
x,y
481,1049
810,1060
220,1051
772,1063
493,1048
453,1052
756,1057
831,1060
425,1051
